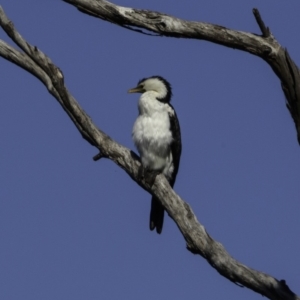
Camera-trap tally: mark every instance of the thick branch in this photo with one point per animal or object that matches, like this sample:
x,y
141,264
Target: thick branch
x,y
198,240
264,46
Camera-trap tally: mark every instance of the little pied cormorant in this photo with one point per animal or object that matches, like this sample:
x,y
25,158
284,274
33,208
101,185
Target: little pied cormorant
x,y
156,135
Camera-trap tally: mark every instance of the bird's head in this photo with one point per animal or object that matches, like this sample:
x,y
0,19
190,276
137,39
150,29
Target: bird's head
x,y
156,84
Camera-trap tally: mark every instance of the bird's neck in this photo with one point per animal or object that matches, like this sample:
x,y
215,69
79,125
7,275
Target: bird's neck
x,y
148,103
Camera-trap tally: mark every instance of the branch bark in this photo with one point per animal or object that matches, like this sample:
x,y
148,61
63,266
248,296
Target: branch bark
x,y
264,46
198,240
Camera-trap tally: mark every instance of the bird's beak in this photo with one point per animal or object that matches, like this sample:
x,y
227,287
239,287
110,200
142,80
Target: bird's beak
x,y
137,89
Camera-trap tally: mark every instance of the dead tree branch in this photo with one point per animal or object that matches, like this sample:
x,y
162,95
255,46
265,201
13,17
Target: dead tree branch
x,y
198,240
264,46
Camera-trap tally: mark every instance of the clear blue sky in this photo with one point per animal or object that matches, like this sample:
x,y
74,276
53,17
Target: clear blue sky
x,y
72,228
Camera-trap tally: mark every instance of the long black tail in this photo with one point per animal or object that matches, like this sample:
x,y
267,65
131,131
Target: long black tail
x,y
156,215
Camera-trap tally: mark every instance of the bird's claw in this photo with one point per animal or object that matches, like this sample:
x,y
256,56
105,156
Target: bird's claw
x,y
150,176
141,172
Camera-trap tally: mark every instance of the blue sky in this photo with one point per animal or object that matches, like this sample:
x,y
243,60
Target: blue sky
x,y
72,228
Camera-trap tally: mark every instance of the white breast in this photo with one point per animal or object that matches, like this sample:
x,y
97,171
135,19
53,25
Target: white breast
x,y
152,135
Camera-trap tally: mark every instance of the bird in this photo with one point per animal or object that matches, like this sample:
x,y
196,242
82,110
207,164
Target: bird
x,y
156,135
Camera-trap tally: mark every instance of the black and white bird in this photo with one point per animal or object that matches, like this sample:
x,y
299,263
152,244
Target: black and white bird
x,y
156,135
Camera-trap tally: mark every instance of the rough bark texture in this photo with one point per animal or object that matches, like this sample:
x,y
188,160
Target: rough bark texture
x,y
264,46
197,239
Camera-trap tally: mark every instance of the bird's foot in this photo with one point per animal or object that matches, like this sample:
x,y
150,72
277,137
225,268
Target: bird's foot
x,y
141,172
150,176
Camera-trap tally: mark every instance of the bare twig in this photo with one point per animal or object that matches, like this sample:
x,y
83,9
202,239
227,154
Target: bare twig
x,y
98,156
197,239
265,30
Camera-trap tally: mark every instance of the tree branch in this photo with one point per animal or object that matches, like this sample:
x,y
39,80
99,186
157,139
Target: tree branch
x,y
197,239
265,46
265,30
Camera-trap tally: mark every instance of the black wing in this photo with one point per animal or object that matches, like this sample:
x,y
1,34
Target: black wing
x,y
176,144
157,210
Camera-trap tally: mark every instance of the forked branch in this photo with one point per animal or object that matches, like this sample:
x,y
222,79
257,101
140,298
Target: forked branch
x,y
198,240
264,46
